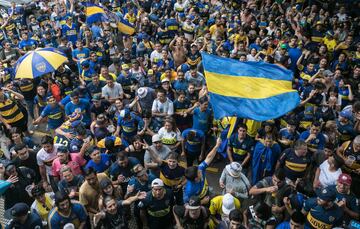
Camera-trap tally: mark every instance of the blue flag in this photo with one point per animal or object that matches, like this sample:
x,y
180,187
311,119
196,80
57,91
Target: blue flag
x,y
253,90
95,13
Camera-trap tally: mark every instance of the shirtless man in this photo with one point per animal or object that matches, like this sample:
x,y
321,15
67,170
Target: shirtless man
x,y
178,51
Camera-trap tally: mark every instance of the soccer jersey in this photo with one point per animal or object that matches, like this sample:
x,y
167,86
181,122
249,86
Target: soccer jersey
x,y
319,217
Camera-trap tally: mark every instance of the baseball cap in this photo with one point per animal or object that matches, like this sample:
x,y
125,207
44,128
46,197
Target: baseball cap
x,y
19,209
96,97
125,66
262,24
165,80
345,179
124,113
228,203
157,183
194,203
327,194
283,46
150,72
346,114
156,138
62,149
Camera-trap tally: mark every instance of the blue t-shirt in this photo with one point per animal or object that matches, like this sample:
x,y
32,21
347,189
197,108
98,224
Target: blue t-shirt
x,y
84,107
102,166
116,170
24,44
193,146
141,187
240,149
130,126
193,188
180,85
294,54
319,217
285,134
201,119
81,54
70,32
317,143
77,216
54,114
41,102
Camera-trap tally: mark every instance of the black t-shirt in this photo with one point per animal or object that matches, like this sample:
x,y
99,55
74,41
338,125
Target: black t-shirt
x,y
187,222
16,192
104,105
95,89
33,221
158,211
117,220
75,184
30,163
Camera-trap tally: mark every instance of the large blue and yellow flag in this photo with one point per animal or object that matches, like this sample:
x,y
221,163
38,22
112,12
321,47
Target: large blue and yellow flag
x,y
94,13
253,90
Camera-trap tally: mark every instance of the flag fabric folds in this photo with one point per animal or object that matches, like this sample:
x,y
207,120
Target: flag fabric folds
x,y
95,13
124,26
253,90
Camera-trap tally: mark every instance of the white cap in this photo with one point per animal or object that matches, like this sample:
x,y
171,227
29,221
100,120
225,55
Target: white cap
x,y
69,226
122,113
157,183
156,138
228,204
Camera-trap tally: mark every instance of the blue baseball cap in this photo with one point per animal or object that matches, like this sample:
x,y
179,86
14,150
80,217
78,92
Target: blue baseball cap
x,y
327,194
346,114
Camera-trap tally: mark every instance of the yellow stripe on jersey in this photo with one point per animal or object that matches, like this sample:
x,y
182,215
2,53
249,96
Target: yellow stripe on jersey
x,y
317,223
295,166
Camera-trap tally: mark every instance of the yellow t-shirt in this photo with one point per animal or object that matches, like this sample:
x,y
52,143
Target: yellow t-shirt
x,y
330,44
173,76
102,78
130,18
252,127
216,205
216,208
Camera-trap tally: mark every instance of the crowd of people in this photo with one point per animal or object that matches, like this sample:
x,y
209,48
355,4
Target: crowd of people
x,y
128,127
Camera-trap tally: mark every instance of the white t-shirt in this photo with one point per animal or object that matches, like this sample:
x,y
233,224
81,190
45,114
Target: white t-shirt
x,y
166,107
155,56
169,138
114,92
327,177
44,158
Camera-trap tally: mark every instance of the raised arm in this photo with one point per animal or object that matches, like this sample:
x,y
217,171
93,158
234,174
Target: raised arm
x,y
153,155
210,157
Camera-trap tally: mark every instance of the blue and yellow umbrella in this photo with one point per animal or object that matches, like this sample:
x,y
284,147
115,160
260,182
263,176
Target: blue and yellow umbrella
x,y
39,62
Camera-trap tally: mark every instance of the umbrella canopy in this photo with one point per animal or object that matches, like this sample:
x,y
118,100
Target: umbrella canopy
x,y
39,62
